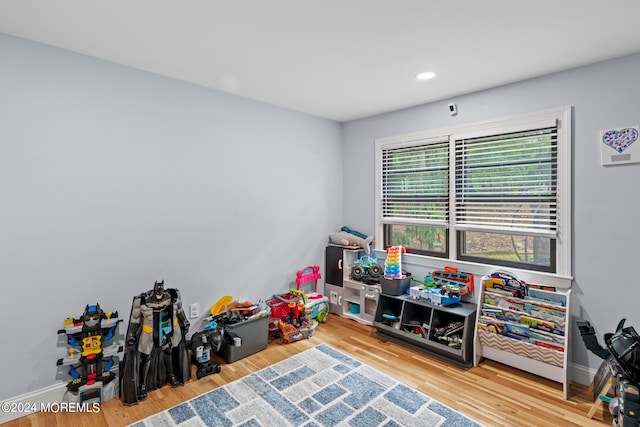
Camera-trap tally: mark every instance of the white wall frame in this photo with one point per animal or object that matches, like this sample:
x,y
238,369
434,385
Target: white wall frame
x,y
560,116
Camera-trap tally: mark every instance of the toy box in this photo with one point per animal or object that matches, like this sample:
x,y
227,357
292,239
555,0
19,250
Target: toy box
x,y
395,286
245,338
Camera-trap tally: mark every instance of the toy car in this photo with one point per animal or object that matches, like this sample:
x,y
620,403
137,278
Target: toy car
x,y
505,282
366,269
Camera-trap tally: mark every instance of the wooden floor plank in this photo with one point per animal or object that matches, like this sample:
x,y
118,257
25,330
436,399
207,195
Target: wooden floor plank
x,y
492,394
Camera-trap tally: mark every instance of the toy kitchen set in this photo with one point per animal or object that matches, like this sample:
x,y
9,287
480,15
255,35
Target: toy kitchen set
x,y
353,282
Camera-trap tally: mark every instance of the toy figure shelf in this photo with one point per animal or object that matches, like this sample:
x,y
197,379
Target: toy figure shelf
x,y
446,332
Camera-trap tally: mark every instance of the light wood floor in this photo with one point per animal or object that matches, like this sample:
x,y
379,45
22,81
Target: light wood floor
x,y
492,394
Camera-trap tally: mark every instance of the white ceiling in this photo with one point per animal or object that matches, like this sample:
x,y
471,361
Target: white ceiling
x,y
339,59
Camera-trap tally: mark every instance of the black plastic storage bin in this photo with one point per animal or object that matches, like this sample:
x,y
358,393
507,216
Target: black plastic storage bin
x,y
395,286
245,338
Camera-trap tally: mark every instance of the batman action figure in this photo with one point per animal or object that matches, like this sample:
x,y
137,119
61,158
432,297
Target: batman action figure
x,y
156,351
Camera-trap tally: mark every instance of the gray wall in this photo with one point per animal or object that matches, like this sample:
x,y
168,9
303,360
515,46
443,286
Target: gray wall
x,y
111,178
606,200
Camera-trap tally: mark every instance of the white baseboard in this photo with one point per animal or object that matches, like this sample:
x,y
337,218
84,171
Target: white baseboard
x,y
581,374
34,399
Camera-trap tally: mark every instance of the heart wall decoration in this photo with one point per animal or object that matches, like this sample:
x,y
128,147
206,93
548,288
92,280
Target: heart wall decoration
x,y
617,146
620,139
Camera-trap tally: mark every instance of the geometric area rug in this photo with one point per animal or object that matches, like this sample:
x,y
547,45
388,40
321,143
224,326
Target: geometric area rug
x,y
319,387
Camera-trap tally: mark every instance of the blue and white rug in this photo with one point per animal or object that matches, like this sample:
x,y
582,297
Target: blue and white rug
x,y
320,387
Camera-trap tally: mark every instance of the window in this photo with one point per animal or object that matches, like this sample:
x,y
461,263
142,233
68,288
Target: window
x,y
495,193
415,202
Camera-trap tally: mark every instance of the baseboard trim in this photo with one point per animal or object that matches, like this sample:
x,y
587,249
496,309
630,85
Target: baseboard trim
x,y
581,374
37,398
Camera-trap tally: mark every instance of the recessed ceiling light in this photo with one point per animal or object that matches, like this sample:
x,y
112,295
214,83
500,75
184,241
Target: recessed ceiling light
x,y
427,75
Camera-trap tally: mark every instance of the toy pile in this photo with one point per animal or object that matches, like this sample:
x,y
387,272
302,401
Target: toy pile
x,y
289,318
295,315
443,287
450,334
212,337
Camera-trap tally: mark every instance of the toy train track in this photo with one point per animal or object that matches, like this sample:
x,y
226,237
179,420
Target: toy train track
x,y
452,277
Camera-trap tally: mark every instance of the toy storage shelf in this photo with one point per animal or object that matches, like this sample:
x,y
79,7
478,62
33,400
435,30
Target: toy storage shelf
x,y
493,341
421,325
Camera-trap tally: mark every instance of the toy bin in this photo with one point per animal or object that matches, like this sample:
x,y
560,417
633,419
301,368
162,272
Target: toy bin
x,y
395,286
245,338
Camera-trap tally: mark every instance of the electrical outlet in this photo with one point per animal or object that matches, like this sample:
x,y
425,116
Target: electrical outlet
x,y
333,297
194,310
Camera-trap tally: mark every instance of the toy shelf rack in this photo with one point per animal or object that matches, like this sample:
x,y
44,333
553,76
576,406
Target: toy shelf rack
x,y
524,331
445,332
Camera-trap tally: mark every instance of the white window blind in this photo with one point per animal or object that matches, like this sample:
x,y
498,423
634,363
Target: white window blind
x,y
507,182
415,183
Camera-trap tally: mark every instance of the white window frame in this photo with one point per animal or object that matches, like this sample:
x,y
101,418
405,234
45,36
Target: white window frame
x,y
562,116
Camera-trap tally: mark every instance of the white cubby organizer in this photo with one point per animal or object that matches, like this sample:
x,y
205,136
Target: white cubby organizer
x,y
530,333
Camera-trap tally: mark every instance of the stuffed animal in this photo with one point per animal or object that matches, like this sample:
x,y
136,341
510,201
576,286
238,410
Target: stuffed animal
x,y
347,239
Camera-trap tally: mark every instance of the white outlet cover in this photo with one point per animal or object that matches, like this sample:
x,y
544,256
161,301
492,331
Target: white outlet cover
x,y
194,310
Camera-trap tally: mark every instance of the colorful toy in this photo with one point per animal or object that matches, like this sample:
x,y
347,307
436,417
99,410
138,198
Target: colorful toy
x,y
220,305
297,325
244,309
279,305
450,334
451,276
92,355
203,344
440,296
295,315
357,233
428,281
390,320
317,305
347,239
443,287
366,269
418,330
289,333
393,264
156,350
505,282
208,341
